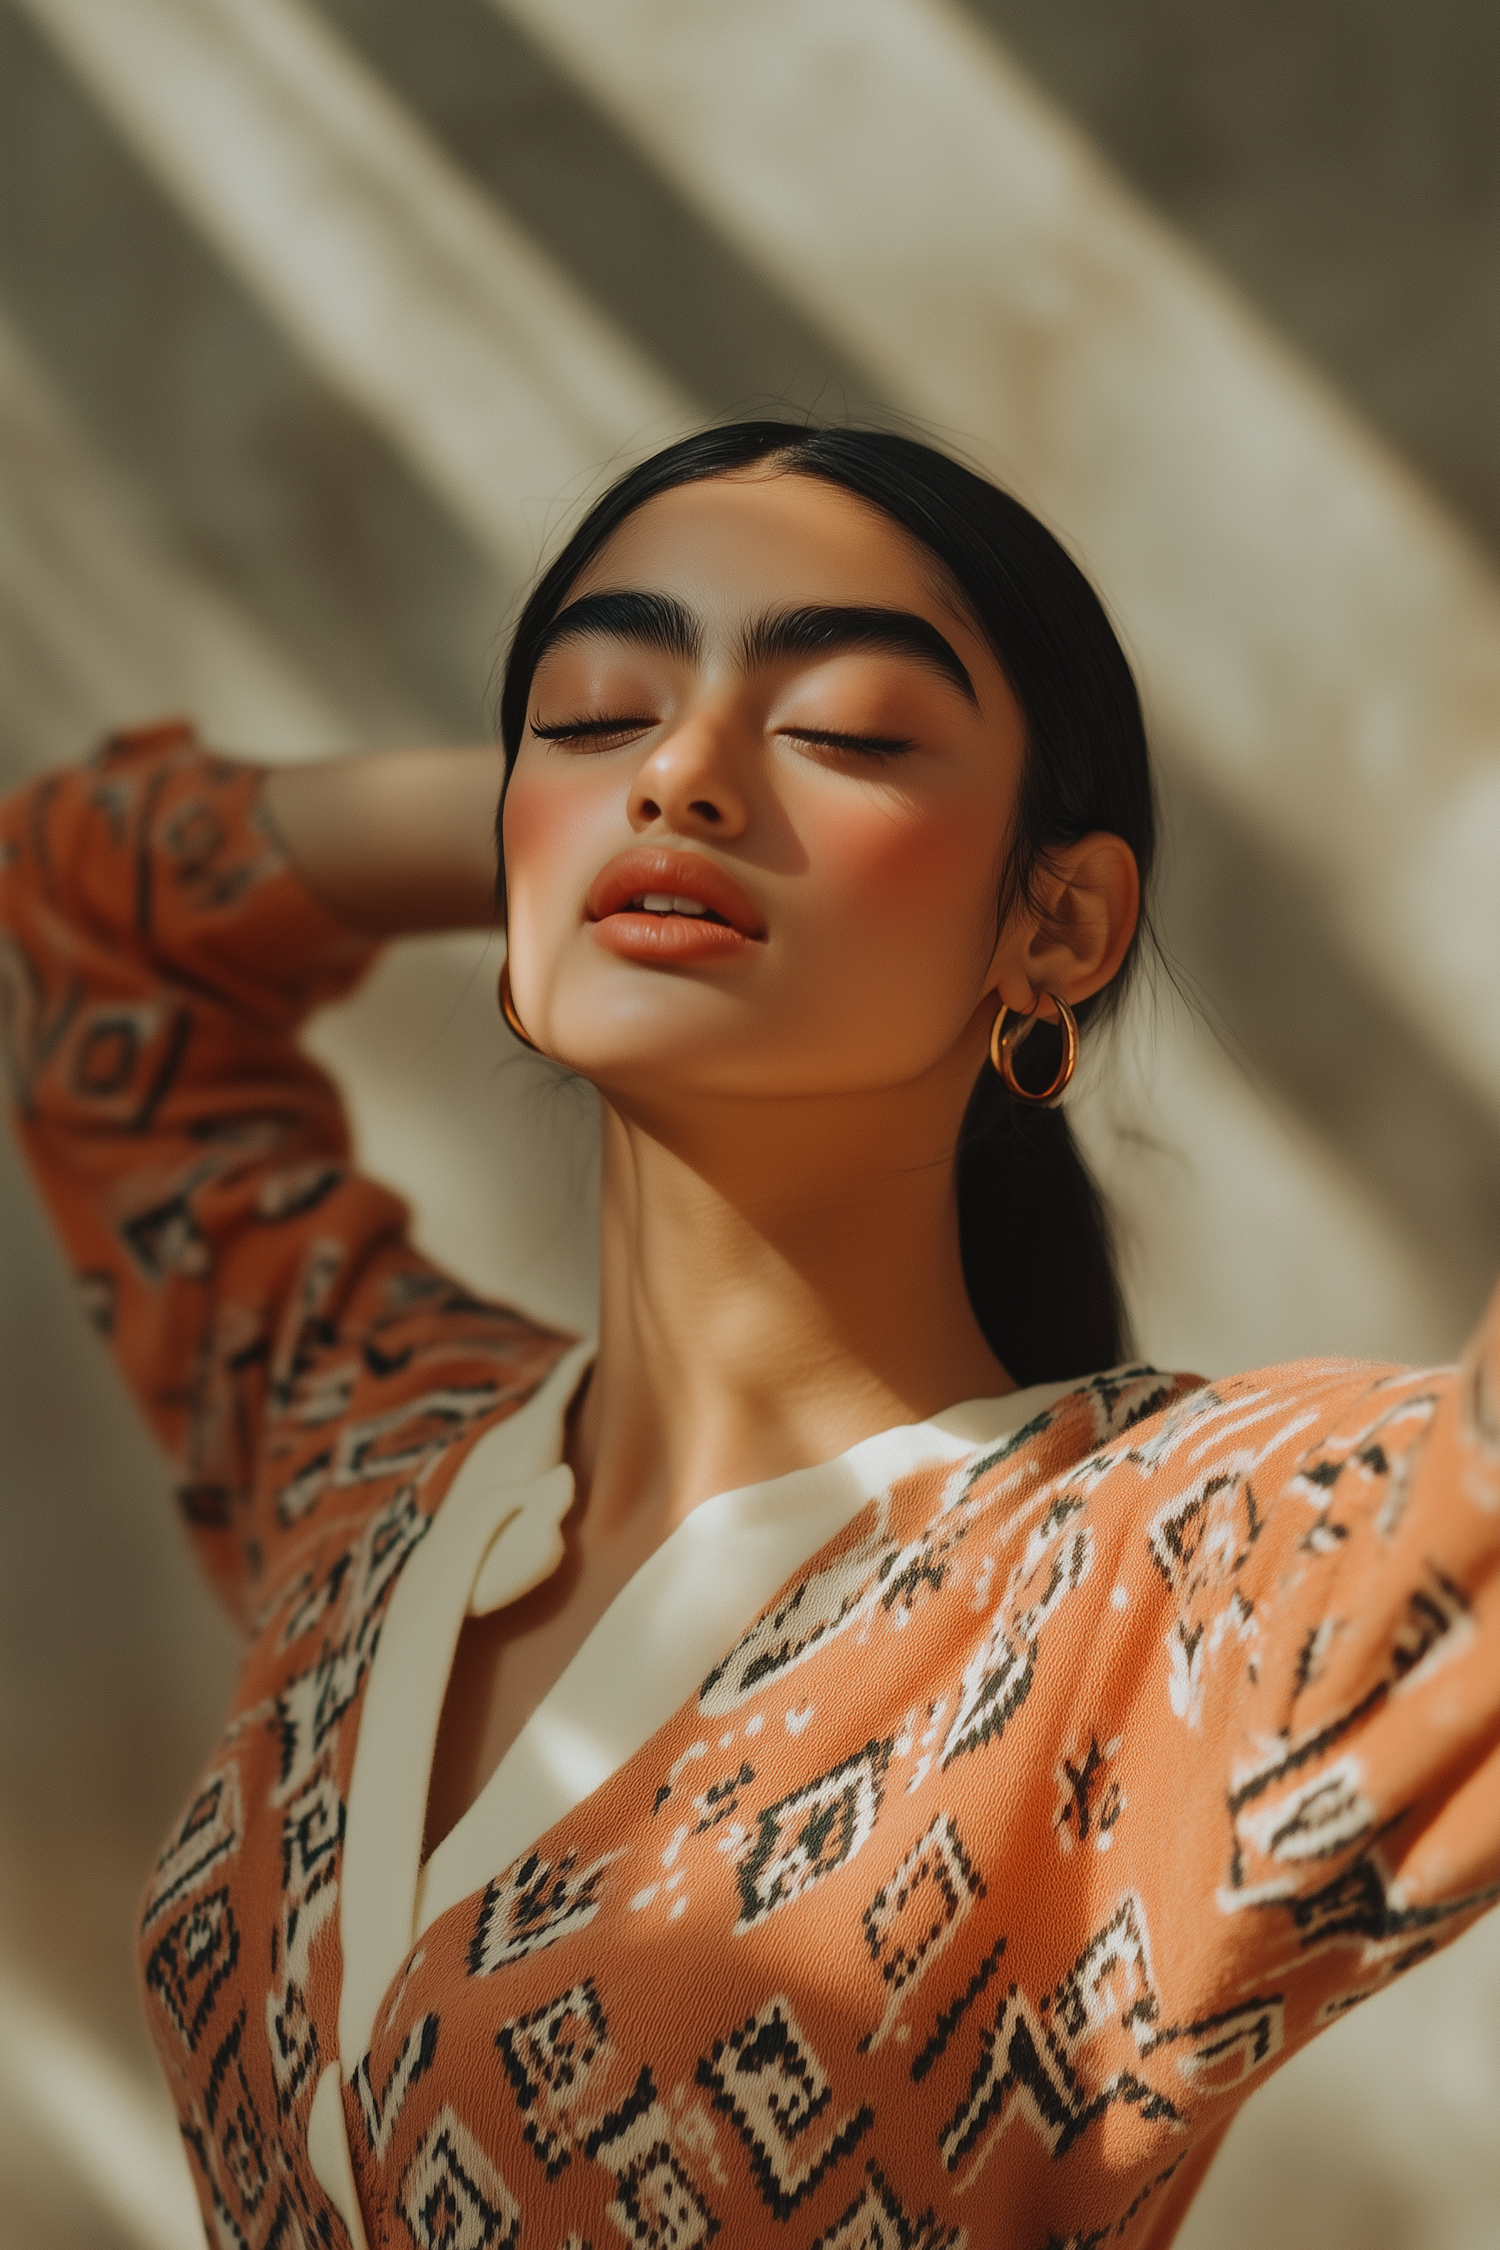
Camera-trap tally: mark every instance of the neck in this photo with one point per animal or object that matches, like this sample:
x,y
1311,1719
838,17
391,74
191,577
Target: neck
x,y
778,1281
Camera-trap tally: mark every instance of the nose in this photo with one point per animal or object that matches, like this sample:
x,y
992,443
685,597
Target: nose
x,y
688,784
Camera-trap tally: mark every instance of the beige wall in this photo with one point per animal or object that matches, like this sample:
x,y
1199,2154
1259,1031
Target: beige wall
x,y
315,324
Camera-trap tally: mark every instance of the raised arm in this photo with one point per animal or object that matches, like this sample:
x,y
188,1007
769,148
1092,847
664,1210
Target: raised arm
x,y
394,843
169,919
1320,1673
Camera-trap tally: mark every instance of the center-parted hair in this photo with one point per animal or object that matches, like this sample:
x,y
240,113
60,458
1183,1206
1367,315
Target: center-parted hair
x,y
1038,1261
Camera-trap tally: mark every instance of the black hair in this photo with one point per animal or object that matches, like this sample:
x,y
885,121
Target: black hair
x,y
1038,1260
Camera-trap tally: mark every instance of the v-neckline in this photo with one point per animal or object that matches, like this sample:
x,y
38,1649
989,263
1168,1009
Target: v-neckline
x,y
501,1518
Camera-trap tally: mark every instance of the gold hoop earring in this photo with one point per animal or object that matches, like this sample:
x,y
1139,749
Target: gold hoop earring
x,y
508,1009
1004,1040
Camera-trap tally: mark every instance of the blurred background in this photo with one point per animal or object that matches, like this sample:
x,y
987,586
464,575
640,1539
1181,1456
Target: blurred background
x,y
319,321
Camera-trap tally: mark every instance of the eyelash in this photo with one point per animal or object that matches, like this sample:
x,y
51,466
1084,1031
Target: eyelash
x,y
604,729
590,730
867,745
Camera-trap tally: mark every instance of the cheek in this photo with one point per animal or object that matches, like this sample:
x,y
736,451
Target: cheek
x,y
906,869
551,821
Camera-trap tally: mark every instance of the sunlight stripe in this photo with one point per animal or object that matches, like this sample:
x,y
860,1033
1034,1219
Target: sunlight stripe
x,y
1175,1288
119,2142
1314,633
410,292
99,626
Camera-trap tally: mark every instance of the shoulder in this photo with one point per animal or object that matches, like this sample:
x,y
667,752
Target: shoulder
x,y
1192,1492
373,1407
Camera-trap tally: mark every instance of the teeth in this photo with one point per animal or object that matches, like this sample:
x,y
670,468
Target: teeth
x,y
658,902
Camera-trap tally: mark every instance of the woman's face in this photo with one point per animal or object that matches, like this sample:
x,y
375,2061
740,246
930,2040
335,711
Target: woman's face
x,y
721,722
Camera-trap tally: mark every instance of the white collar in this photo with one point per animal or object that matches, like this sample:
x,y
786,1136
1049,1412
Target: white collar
x,y
495,1535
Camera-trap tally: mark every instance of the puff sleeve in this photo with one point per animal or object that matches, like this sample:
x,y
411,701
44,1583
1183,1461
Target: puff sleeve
x,y
158,953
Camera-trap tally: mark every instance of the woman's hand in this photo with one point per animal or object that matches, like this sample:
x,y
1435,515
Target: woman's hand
x,y
399,841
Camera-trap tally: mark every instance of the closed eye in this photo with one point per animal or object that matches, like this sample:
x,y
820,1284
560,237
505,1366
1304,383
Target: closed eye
x,y
606,728
601,728
872,745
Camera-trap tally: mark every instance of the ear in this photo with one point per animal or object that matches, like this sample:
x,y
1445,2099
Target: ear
x,y
1073,936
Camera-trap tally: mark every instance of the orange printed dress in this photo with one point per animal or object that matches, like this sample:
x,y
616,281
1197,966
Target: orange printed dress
x,y
932,1847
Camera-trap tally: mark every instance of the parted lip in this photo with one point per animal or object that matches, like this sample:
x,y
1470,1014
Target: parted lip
x,y
674,873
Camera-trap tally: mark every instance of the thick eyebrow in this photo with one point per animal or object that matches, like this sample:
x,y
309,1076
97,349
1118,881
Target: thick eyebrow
x,y
651,620
661,621
822,631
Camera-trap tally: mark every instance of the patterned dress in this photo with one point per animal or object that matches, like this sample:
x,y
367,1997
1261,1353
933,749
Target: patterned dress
x,y
1048,1772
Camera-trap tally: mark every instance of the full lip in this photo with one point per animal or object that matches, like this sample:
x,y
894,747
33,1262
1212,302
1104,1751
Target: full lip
x,y
673,872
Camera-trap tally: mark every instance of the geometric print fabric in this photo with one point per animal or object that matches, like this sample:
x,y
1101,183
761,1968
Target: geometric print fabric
x,y
1022,1834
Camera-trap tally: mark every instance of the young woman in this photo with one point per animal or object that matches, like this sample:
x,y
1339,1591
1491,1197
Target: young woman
x,y
839,1761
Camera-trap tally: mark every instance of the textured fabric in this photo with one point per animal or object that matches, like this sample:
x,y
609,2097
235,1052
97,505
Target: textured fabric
x,y
691,1601
1071,1787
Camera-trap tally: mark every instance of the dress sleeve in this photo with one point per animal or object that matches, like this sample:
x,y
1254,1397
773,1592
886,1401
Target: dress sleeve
x,y
1333,1675
157,955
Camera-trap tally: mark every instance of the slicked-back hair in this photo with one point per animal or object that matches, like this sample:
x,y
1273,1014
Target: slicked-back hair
x,y
1038,1258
